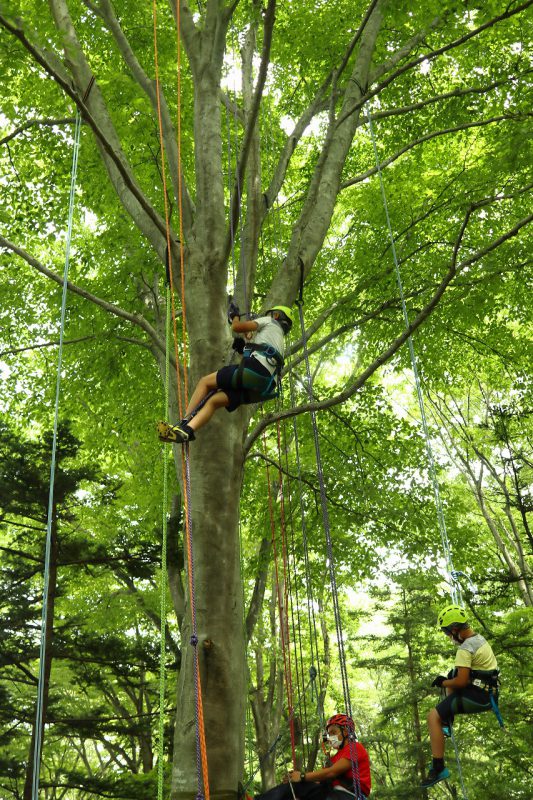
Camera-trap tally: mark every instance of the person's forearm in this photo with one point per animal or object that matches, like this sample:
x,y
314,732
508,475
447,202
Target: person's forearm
x,y
454,683
321,774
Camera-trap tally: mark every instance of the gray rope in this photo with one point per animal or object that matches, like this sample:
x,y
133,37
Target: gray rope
x,y
331,560
163,604
458,761
39,721
311,617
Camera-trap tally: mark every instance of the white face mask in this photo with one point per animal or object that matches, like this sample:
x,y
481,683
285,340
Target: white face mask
x,y
334,741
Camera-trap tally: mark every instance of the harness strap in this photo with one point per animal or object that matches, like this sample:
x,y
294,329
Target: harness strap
x,y
485,678
496,708
265,350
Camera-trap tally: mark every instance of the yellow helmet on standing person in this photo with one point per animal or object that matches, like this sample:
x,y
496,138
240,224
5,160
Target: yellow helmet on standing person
x,y
285,317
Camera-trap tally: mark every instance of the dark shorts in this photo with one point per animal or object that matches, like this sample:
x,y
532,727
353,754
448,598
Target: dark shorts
x,y
470,700
256,381
307,790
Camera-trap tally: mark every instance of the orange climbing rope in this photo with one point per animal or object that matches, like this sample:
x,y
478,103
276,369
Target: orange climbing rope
x,y
201,743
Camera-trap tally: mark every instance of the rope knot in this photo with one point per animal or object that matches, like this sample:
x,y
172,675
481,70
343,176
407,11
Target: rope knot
x,y
194,642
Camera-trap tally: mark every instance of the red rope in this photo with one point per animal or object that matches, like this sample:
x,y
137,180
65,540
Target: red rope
x,y
283,616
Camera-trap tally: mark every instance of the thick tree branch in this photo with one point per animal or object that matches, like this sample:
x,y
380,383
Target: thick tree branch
x,y
107,13
45,122
51,64
319,103
426,138
387,354
268,27
135,319
189,33
257,599
14,350
317,211
392,112
128,339
349,326
404,51
349,50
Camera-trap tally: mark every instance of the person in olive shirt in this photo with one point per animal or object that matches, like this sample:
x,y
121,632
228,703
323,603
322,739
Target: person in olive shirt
x,y
467,685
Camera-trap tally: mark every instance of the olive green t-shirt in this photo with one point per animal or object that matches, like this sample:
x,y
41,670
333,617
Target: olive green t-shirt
x,y
476,653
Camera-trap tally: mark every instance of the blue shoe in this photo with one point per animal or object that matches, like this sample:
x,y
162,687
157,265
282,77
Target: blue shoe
x,y
447,731
434,777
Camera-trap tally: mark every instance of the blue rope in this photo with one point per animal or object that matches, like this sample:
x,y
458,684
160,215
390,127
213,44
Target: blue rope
x,y
455,586
39,722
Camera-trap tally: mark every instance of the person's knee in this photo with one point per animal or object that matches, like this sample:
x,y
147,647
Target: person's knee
x,y
203,383
433,717
220,399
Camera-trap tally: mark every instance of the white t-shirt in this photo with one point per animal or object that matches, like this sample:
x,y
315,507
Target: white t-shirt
x,y
269,332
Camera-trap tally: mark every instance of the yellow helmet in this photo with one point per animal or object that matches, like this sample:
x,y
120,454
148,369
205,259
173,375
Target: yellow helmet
x,y
451,615
286,316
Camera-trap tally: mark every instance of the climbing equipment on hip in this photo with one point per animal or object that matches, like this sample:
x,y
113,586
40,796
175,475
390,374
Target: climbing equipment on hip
x,y
265,387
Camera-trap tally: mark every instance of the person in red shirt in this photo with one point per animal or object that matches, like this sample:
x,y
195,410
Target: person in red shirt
x,y
348,770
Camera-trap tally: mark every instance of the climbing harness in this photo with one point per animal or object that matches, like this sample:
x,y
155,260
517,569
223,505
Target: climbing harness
x,y
260,387
39,716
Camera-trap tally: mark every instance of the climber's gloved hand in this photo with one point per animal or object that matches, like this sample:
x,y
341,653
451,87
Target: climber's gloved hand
x,y
238,344
233,311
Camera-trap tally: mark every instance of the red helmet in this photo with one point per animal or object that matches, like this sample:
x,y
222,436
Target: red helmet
x,y
342,720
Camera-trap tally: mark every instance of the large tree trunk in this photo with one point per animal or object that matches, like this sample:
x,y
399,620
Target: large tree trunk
x,y
216,463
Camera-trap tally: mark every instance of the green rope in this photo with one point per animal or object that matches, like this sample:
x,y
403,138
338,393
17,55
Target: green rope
x,y
162,650
39,717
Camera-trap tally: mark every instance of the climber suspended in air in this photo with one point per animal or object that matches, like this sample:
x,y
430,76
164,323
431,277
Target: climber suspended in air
x,y
471,687
347,768
254,380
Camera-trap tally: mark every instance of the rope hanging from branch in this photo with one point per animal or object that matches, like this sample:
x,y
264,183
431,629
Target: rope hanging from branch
x,y
39,716
329,549
201,749
455,586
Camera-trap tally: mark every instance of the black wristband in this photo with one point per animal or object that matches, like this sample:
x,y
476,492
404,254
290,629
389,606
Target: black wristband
x,y
302,777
